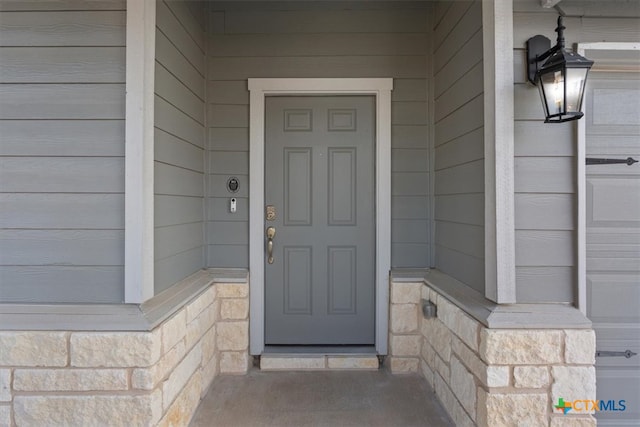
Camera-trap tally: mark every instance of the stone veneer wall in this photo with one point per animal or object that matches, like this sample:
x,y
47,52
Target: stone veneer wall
x,y
490,377
125,378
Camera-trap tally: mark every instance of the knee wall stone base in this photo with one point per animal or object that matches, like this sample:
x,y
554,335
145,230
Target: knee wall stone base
x,y
490,377
125,378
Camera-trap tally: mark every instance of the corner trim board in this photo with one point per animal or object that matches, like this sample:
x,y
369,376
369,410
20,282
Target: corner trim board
x,y
139,151
259,89
500,260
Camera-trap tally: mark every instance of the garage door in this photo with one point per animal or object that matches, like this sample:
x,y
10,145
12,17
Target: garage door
x,y
613,235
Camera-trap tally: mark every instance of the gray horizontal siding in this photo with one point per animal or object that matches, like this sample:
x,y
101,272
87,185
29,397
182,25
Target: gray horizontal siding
x,y
62,247
53,283
470,52
460,208
550,281
170,240
56,5
462,150
369,41
176,210
545,163
62,65
228,255
465,119
321,21
62,94
409,184
409,136
62,28
62,101
69,138
179,178
234,68
171,180
166,53
229,139
317,44
61,211
168,21
62,174
172,150
459,142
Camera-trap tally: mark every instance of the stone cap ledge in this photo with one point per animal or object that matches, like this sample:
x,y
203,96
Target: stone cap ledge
x,y
115,317
490,314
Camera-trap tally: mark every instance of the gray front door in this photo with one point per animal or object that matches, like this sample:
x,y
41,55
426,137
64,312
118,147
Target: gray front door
x,y
613,239
320,192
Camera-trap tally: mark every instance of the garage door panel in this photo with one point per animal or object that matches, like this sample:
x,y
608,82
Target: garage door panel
x,y
603,235
606,144
613,298
605,264
612,250
619,332
604,171
612,119
611,106
618,384
614,200
621,257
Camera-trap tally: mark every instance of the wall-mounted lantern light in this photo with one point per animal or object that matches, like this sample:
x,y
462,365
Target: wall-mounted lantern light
x,y
560,76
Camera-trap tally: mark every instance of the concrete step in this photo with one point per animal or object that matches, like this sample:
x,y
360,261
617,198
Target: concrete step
x,y
318,362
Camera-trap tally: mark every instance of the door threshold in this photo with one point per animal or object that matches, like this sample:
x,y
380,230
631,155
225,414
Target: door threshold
x,y
328,350
319,358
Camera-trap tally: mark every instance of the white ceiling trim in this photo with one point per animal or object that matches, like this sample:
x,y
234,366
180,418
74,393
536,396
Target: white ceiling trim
x,y
548,4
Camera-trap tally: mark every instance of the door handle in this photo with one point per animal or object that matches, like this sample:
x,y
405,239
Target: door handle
x,y
271,232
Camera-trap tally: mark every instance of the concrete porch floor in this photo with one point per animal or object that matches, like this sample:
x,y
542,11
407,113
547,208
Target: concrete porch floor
x,y
322,398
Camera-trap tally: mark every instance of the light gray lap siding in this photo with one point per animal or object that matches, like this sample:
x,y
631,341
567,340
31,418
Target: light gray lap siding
x,y
459,141
180,120
307,41
545,155
62,75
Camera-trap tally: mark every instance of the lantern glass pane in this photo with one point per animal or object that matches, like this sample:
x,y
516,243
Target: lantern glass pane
x,y
576,78
552,86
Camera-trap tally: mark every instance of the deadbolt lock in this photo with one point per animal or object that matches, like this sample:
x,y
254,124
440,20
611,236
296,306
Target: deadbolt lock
x,y
270,213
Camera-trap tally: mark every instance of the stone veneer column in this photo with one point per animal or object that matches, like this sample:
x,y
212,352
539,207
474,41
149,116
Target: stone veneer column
x,y
233,328
125,378
404,328
491,377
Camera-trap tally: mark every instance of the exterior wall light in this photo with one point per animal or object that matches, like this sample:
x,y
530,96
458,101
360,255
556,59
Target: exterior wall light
x,y
560,76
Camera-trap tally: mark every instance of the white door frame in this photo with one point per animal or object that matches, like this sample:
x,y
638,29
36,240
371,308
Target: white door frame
x,y
582,176
259,89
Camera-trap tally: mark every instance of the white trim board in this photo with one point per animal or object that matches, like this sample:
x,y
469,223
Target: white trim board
x,y
259,89
499,207
139,151
582,176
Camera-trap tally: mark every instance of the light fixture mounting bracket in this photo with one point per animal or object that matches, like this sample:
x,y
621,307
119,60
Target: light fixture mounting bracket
x,y
539,48
536,47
